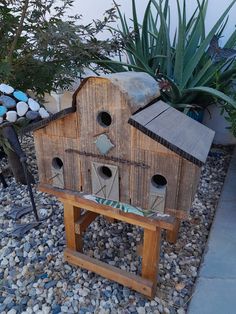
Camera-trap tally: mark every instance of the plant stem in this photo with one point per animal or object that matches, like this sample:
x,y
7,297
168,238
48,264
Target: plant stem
x,y
19,31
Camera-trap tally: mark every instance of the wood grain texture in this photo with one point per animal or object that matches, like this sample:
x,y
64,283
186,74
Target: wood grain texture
x,y
132,281
84,221
99,95
189,175
178,132
54,147
71,215
139,88
172,236
39,151
150,256
165,165
77,199
64,127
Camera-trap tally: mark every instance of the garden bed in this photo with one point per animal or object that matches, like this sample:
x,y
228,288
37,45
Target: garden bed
x,y
35,279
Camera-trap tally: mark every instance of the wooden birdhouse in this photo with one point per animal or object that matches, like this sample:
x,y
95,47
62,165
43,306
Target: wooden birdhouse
x,y
119,142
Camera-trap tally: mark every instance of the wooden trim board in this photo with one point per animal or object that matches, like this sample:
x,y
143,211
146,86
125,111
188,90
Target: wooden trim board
x,y
74,198
132,281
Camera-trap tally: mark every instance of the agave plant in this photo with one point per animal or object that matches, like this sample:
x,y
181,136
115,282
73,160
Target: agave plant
x,y
191,67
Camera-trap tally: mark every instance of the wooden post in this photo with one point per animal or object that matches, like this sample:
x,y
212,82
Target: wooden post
x,y
151,254
172,235
71,215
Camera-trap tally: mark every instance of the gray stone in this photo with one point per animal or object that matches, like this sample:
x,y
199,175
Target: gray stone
x,y
32,115
7,101
50,284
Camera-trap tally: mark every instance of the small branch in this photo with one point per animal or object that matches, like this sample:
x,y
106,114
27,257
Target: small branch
x,y
19,31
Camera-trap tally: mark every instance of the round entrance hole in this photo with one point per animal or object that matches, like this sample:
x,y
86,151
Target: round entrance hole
x,y
158,181
105,172
104,119
57,163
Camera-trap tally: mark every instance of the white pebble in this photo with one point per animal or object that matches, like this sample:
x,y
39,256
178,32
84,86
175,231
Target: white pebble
x,y
4,262
7,89
43,113
34,105
46,309
21,108
12,311
141,310
11,116
36,308
1,120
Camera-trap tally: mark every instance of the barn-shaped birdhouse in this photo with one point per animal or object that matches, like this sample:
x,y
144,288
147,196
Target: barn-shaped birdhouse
x,y
119,142
122,153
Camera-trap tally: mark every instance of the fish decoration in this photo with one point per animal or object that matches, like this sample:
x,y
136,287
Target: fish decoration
x,y
126,208
217,53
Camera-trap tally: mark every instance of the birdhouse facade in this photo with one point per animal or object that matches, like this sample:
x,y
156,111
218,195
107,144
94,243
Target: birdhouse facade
x,y
120,143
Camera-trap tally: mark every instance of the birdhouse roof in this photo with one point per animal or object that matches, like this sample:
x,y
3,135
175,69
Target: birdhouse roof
x,y
139,88
175,130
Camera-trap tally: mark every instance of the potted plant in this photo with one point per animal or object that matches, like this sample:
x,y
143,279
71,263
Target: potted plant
x,y
188,67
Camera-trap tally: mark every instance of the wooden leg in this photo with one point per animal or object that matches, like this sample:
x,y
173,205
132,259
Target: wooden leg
x,y
151,254
71,215
172,236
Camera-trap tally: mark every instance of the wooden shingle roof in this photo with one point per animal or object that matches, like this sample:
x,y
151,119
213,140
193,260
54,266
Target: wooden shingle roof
x,y
175,130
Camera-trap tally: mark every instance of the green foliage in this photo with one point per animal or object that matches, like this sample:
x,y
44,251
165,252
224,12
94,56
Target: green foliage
x,y
182,65
229,113
41,48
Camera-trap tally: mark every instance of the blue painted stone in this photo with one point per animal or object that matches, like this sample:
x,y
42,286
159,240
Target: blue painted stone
x,y
20,95
56,309
32,115
3,110
7,101
50,284
42,276
2,307
25,300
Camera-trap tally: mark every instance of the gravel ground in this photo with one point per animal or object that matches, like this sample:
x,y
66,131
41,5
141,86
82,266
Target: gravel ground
x,y
35,279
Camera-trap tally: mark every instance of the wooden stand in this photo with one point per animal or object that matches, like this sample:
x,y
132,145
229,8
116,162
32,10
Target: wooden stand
x,y
76,224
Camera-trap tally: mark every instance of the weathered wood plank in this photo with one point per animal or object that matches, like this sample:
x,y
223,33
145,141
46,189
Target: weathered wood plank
x,y
132,281
84,221
151,112
178,132
172,235
77,199
150,255
99,95
71,215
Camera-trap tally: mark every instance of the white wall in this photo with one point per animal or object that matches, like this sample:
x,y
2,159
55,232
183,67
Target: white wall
x,y
94,9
